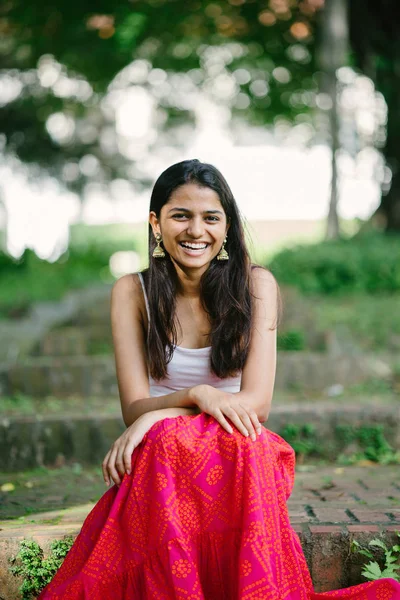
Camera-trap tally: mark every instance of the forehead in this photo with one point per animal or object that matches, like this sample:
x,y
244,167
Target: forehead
x,y
190,195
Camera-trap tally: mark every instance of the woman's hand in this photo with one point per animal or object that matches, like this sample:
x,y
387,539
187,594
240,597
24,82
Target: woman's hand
x,y
118,459
221,404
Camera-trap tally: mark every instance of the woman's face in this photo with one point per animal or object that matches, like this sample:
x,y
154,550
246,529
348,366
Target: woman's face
x,y
193,225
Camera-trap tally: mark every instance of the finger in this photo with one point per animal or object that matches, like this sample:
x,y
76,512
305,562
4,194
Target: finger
x,y
119,462
234,417
222,421
111,467
104,468
247,422
127,457
255,420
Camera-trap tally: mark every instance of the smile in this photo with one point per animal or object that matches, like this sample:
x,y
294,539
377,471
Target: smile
x,y
193,247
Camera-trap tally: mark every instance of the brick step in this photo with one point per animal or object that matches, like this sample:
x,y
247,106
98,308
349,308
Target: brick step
x,y
83,375
323,429
358,503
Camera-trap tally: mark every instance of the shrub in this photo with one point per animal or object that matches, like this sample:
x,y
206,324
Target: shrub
x,y
30,279
36,570
368,263
291,340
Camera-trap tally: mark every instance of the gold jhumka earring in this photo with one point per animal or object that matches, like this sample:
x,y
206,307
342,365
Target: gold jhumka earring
x,y
158,252
222,254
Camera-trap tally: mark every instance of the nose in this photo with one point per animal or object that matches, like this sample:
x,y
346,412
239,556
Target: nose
x,y
195,227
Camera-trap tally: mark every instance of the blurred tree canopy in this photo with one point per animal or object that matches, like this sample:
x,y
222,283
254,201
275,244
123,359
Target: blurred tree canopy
x,y
63,65
61,62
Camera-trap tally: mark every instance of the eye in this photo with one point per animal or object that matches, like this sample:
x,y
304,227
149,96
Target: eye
x,y
209,217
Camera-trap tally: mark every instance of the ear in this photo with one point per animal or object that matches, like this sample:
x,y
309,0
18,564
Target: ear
x,y
154,222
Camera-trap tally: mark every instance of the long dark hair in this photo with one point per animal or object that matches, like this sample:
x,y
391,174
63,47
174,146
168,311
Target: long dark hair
x,y
224,287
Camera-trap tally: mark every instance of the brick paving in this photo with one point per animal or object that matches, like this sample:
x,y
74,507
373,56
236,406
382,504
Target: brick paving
x,y
347,495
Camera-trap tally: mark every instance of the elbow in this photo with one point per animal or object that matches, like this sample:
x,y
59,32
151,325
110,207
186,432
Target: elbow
x,y
263,412
129,415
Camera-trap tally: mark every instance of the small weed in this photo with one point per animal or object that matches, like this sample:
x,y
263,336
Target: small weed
x,y
302,438
292,340
36,570
372,442
389,564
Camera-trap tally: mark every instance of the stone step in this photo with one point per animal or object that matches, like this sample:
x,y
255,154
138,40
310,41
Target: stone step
x,y
73,340
95,375
19,337
323,429
358,503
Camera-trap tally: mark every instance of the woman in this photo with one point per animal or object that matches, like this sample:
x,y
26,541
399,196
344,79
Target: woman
x,y
198,510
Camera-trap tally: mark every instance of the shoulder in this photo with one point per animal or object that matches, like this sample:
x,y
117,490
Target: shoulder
x,y
266,296
127,291
262,281
126,286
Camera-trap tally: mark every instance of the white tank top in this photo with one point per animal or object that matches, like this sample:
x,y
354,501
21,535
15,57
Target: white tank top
x,y
188,367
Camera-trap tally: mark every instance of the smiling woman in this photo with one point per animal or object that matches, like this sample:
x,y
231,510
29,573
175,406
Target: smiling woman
x,y
198,510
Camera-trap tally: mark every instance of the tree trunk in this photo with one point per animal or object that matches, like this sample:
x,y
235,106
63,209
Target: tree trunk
x,y
389,210
332,225
4,233
333,46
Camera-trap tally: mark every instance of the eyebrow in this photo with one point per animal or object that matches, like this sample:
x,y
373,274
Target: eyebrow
x,y
211,212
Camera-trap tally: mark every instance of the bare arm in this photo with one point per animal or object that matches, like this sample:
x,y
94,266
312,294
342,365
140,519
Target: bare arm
x,y
130,355
174,404
258,375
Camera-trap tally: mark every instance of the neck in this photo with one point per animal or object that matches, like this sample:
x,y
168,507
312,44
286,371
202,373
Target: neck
x,y
189,281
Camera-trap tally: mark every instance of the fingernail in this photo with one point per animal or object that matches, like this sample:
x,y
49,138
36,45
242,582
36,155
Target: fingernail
x,y
253,437
246,434
128,471
259,431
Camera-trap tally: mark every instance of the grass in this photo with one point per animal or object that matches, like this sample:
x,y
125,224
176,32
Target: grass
x,y
20,405
370,322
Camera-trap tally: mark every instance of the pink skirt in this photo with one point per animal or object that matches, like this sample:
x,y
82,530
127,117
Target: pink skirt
x,y
202,516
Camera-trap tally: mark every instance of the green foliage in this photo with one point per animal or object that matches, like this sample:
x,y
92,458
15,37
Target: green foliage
x,y
291,340
389,565
372,442
369,324
35,569
171,36
302,438
368,263
370,439
30,279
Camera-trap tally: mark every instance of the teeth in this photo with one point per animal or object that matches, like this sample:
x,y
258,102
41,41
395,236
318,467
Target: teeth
x,y
194,246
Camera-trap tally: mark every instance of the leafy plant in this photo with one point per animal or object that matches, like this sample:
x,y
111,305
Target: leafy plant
x,y
291,340
389,565
366,263
36,569
372,442
301,437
